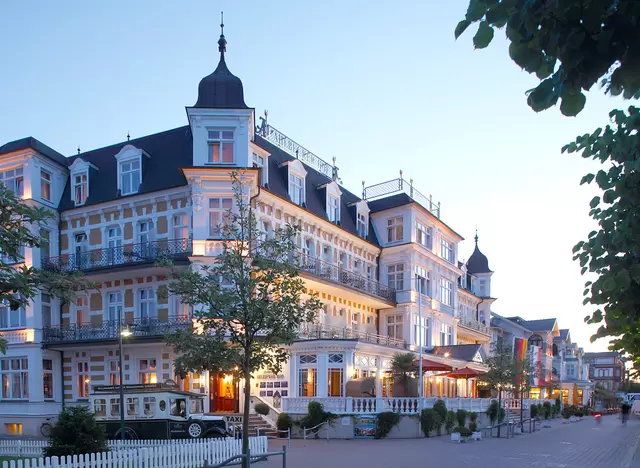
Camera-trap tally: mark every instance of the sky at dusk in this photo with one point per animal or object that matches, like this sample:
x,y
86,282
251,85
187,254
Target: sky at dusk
x,y
381,86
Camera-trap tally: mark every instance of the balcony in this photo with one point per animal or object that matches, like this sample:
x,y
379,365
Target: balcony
x,y
18,336
109,329
396,186
473,324
336,274
128,254
318,331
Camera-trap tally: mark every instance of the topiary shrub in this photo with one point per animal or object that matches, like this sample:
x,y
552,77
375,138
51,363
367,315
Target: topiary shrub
x,y
441,408
284,423
76,433
428,421
449,421
461,417
534,411
473,427
261,408
473,417
385,422
463,431
546,410
316,415
492,412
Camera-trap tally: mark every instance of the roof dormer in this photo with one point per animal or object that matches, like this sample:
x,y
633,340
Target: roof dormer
x,y
362,218
130,161
296,176
80,172
332,201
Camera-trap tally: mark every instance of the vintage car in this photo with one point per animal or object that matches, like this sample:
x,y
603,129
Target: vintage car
x,y
155,411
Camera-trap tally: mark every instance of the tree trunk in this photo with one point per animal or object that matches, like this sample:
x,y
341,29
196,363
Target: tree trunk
x,y
245,417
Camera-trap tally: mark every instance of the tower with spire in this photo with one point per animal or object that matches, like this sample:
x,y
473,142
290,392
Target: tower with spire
x,y
220,106
478,267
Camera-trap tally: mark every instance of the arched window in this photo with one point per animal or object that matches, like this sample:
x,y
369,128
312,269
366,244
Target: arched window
x,y
535,340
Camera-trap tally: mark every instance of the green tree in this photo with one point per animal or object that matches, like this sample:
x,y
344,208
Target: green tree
x,y
403,367
20,224
571,45
501,372
248,303
75,433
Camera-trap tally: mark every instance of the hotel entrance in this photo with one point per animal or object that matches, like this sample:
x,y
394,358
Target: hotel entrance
x,y
223,393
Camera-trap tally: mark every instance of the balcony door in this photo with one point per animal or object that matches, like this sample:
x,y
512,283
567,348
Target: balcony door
x,y
146,236
114,309
114,245
81,245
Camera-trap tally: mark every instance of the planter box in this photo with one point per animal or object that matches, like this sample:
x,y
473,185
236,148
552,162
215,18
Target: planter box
x,y
456,437
546,424
476,436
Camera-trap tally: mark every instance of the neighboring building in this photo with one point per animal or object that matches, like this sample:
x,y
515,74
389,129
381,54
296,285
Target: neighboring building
x,y
384,264
569,372
606,369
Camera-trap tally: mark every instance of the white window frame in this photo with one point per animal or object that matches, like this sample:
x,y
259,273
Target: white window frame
x,y
446,335
297,190
46,184
333,209
48,375
80,189
395,229
446,292
12,319
421,339
395,276
424,235
83,378
151,370
45,244
81,310
13,180
180,226
394,326
129,173
146,231
14,378
45,300
115,306
221,138
221,215
423,281
113,371
362,225
447,250
147,304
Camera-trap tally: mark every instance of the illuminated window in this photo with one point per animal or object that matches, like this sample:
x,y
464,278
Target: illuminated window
x,y
82,379
47,378
147,371
336,382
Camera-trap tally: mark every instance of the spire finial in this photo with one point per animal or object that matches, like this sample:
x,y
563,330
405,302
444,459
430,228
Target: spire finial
x,y
476,238
222,42
78,149
128,135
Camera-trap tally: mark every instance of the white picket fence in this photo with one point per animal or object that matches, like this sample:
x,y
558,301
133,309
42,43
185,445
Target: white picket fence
x,y
136,454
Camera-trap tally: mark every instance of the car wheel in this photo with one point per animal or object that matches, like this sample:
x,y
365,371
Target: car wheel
x,y
195,430
129,434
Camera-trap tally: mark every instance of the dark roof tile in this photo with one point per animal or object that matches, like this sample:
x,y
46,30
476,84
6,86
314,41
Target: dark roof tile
x,y
30,142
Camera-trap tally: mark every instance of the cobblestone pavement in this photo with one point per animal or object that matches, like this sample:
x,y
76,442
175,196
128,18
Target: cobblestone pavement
x,y
584,444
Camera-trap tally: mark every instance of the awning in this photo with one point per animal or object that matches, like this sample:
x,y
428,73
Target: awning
x,y
428,365
365,387
464,373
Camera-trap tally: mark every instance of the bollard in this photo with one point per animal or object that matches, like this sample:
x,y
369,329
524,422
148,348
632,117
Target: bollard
x,y
248,458
284,456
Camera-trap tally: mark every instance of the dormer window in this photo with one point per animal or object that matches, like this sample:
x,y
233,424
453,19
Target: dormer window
x,y
80,188
130,177
221,146
333,209
362,225
296,189
261,162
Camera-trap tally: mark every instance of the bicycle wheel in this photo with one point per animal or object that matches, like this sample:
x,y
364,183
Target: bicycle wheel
x,y
45,429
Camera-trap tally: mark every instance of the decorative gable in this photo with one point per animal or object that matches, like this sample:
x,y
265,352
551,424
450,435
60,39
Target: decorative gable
x,y
80,173
130,164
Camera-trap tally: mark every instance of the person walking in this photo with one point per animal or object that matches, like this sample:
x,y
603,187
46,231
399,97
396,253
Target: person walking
x,y
625,409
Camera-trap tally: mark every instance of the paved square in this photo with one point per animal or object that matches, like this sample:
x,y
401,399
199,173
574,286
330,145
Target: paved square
x,y
584,444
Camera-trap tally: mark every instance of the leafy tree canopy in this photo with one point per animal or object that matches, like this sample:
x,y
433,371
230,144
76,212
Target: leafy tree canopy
x,y
569,44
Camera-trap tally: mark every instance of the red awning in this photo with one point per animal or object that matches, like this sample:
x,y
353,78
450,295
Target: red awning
x,y
464,373
428,365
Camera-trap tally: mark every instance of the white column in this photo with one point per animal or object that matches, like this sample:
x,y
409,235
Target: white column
x,y
379,373
322,384
294,388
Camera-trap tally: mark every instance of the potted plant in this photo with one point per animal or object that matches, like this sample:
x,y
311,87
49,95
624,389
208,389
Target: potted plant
x,y
460,434
449,421
473,426
546,413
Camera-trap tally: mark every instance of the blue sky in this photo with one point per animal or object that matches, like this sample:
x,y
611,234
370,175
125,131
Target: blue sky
x,y
381,86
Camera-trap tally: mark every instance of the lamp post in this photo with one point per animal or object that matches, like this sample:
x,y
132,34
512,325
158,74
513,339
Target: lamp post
x,y
421,328
121,333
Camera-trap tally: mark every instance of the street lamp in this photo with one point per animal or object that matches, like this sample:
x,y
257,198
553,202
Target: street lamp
x,y
121,333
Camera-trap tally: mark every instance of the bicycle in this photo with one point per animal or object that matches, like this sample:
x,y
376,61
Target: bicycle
x,y
46,427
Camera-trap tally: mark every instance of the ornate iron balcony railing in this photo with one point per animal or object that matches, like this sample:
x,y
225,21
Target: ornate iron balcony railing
x,y
319,331
395,186
109,329
473,324
337,274
117,256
